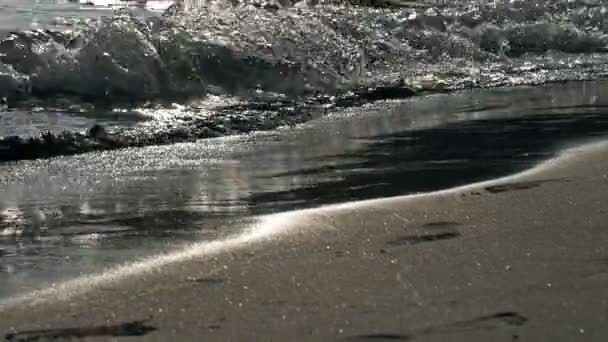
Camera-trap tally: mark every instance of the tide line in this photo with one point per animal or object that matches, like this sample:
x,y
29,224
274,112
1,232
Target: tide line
x,y
264,228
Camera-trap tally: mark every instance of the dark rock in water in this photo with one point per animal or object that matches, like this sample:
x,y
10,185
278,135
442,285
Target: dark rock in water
x,y
97,133
397,91
46,145
387,93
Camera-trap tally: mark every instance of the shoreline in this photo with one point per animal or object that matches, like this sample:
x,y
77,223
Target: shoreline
x,y
280,240
266,227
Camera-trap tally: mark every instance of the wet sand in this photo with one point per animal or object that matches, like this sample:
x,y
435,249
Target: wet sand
x,y
520,258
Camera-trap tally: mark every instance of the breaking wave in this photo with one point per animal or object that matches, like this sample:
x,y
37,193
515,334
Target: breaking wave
x,y
287,62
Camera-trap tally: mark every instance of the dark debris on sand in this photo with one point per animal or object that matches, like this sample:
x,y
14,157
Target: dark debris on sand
x,y
134,328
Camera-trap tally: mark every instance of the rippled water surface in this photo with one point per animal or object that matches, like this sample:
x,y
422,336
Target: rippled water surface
x,y
70,215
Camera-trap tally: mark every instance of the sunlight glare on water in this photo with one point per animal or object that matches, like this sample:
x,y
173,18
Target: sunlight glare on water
x,y
99,209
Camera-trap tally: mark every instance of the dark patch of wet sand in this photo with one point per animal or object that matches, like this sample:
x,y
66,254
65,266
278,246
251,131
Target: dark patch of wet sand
x,y
135,328
416,239
519,270
514,186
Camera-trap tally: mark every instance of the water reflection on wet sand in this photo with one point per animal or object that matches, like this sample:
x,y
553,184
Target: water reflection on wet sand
x,y
72,215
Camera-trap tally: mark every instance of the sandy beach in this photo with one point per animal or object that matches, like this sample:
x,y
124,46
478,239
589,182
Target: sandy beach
x,y
520,258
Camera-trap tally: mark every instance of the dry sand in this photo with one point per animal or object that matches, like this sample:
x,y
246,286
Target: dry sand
x,y
522,258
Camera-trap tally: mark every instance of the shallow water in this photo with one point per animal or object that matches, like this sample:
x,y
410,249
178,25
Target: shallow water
x,y
66,216
147,76
34,122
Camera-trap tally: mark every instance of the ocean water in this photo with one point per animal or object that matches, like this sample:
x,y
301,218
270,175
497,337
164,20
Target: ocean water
x,y
67,216
31,15
41,14
294,52
25,14
235,109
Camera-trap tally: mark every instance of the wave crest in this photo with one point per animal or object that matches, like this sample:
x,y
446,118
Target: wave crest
x,y
292,55
243,49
